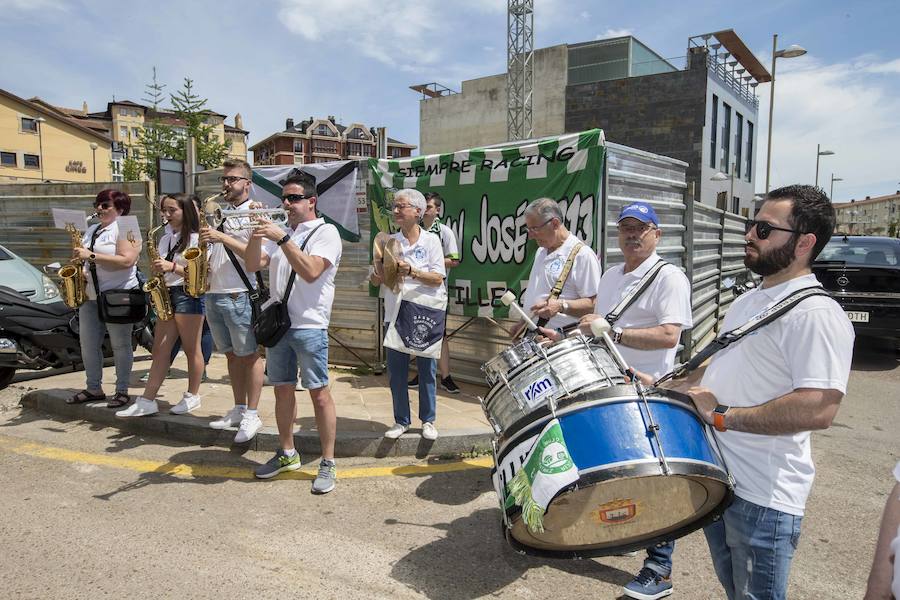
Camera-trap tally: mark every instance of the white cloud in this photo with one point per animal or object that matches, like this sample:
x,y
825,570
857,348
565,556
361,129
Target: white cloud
x,y
849,108
32,5
614,33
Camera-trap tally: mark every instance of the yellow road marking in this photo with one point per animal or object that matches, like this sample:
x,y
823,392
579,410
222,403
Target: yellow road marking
x,y
18,446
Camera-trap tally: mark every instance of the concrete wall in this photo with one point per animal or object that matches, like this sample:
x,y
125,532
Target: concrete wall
x,y
477,115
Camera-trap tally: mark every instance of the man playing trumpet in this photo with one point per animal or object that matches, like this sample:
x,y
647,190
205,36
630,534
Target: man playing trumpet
x,y
228,309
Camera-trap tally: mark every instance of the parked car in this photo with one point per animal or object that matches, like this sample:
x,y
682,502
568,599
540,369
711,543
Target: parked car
x,y
863,275
19,275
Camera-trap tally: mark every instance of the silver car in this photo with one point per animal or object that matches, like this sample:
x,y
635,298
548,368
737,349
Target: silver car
x,y
18,274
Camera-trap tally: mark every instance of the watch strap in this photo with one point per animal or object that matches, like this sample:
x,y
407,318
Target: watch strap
x,y
283,240
719,417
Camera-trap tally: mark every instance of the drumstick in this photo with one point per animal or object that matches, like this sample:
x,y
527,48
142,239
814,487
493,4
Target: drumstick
x,y
600,328
509,299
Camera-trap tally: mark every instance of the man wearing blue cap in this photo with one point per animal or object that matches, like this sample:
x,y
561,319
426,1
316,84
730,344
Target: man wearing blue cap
x,y
648,303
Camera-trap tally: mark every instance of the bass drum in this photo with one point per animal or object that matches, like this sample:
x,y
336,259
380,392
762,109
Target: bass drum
x,y
624,499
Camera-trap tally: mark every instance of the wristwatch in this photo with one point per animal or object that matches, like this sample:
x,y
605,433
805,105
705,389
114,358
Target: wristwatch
x,y
92,257
283,240
719,417
617,335
565,308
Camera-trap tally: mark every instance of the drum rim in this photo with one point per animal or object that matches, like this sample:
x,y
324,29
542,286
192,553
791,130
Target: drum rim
x,y
701,469
562,347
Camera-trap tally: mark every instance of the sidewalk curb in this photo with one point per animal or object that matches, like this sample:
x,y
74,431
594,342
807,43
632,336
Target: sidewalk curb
x,y
196,430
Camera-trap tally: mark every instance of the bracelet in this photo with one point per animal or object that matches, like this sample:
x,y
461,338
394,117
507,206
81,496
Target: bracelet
x,y
173,267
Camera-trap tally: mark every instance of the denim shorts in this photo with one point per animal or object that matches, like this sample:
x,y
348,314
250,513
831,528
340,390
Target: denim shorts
x,y
183,304
306,349
229,316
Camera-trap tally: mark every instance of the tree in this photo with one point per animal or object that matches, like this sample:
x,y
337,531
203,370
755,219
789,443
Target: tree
x,y
132,169
190,109
157,139
892,229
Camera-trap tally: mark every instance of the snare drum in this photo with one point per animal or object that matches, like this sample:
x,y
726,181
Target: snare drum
x,y
569,367
497,369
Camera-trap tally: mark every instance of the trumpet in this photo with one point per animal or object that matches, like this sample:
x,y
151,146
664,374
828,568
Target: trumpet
x,y
239,220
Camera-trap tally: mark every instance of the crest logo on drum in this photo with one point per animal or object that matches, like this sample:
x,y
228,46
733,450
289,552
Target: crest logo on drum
x,y
615,512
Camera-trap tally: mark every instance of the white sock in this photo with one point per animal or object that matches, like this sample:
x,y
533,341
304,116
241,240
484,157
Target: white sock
x,y
251,412
290,452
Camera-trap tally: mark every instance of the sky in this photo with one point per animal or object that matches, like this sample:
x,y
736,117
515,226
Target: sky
x,y
275,59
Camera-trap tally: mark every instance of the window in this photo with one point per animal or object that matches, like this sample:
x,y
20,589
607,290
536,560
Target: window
x,y
123,112
726,139
735,205
123,132
136,133
323,129
714,131
738,145
298,146
749,150
32,161
29,125
8,159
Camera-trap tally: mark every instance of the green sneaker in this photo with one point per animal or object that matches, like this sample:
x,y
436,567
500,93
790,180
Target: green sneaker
x,y
278,464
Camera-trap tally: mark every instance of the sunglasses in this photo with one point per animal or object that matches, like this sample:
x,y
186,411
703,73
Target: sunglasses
x,y
103,205
537,228
232,179
292,198
764,228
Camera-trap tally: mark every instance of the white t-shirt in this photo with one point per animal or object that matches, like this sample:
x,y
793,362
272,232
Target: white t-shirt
x,y
223,278
309,304
108,277
427,254
581,283
895,549
666,300
811,346
448,242
167,242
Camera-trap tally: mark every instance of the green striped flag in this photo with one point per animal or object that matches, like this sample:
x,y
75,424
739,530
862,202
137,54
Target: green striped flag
x,y
485,192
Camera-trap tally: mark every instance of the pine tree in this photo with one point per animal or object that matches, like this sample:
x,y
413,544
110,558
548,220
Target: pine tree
x,y
157,139
190,108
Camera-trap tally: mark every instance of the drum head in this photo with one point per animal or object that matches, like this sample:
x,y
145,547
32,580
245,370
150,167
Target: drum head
x,y
623,514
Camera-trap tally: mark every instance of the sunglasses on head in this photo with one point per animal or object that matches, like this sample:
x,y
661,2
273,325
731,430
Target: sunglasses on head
x,y
764,228
295,197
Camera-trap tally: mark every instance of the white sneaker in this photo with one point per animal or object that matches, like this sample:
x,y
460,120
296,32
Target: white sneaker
x,y
231,419
429,431
250,424
141,408
299,387
396,431
188,403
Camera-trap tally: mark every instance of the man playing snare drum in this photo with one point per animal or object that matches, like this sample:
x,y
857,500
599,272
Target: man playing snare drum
x,y
648,303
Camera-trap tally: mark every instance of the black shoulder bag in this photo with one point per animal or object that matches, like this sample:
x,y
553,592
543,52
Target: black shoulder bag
x,y
273,322
118,306
259,295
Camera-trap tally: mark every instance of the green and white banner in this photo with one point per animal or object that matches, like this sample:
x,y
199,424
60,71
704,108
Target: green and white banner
x,y
335,186
547,469
485,193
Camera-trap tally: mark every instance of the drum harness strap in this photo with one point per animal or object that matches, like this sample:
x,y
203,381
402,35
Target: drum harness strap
x,y
761,319
632,296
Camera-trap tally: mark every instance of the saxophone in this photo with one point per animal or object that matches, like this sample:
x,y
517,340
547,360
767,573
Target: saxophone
x,y
72,275
156,285
196,272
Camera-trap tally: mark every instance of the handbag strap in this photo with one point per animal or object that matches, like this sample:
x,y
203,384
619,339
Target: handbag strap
x,y
630,298
761,319
287,291
93,266
561,280
260,285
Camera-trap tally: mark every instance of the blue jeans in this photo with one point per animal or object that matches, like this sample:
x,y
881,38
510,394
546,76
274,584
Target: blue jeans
x,y
659,558
398,375
752,547
303,348
229,317
91,332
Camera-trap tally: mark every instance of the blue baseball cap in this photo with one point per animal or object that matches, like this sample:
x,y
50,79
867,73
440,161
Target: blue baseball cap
x,y
641,211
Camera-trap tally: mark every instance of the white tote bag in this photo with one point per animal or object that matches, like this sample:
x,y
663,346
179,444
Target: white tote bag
x,y
417,325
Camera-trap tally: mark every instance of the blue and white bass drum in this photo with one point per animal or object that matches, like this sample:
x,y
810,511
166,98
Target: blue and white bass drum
x,y
649,469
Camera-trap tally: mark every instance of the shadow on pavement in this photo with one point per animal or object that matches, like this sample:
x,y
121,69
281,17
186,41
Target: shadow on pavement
x,y
455,488
482,563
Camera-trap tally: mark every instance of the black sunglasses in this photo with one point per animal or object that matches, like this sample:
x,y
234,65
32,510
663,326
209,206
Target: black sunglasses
x,y
103,205
764,228
295,197
232,179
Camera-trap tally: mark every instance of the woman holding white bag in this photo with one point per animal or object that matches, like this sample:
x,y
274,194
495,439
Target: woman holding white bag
x,y
421,267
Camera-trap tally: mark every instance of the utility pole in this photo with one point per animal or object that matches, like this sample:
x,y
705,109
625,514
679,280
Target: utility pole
x,y
519,69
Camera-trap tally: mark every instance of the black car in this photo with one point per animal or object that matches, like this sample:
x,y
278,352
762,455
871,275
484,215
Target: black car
x,y
863,274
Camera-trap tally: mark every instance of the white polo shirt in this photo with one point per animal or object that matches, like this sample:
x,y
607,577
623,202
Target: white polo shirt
x,y
666,300
895,549
223,278
811,346
581,283
167,242
108,277
427,254
309,304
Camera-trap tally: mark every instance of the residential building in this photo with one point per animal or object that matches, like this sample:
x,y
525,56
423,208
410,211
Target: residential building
x,y
870,216
323,140
41,143
705,113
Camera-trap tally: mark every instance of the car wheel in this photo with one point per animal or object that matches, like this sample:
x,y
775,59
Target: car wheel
x,y
6,375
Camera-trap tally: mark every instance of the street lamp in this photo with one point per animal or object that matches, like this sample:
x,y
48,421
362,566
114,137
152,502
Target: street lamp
x,y
833,179
94,152
720,176
792,51
40,121
820,152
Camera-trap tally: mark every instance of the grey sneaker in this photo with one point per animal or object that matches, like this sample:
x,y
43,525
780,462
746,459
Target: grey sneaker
x,y
324,482
278,464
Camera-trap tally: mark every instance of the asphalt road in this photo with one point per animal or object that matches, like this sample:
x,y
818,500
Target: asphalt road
x,y
91,512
